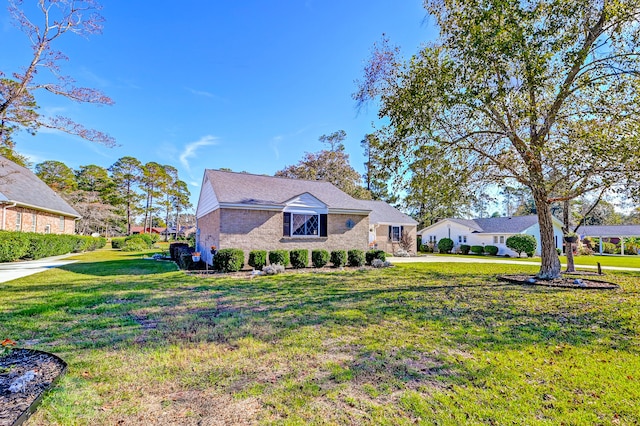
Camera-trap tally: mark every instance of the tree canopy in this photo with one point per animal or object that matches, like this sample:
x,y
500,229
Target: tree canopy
x,y
18,108
542,93
330,165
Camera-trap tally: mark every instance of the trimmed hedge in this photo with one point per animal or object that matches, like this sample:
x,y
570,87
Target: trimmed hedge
x,y
339,258
355,257
15,245
117,242
258,259
279,257
371,255
299,258
464,248
136,243
491,250
228,260
477,249
319,258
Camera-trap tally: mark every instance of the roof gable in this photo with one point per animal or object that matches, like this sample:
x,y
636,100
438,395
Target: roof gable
x,y
20,185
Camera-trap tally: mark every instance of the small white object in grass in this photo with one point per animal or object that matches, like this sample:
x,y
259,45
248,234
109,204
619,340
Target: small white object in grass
x,y
20,383
531,280
579,282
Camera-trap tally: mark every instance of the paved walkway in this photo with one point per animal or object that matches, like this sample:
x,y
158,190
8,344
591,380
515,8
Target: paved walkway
x,y
464,259
14,270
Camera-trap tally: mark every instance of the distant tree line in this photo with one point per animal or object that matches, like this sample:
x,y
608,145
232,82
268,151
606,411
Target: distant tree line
x,y
112,200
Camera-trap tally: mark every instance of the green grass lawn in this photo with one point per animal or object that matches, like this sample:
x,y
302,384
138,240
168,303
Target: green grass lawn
x,y
605,260
419,343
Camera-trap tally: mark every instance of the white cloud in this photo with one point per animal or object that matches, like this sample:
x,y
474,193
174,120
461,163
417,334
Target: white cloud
x,y
274,144
202,93
191,148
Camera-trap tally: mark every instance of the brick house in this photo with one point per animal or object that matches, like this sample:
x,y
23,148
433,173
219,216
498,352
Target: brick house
x,y
387,226
28,204
255,212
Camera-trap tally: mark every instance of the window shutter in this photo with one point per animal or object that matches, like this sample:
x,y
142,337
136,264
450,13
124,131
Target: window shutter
x,y
323,225
401,231
390,233
286,225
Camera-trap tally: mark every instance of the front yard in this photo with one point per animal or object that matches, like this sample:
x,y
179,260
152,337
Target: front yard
x,y
418,343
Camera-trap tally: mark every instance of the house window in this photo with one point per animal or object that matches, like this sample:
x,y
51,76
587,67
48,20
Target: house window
x,y
432,238
34,221
462,239
395,232
305,224
501,239
61,224
495,239
18,221
47,229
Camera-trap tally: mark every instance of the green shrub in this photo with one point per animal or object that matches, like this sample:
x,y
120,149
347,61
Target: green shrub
x,y
530,253
477,249
258,259
147,238
279,257
299,258
371,255
355,257
491,250
338,258
319,258
228,260
13,246
135,243
117,243
608,248
522,243
445,245
559,251
464,249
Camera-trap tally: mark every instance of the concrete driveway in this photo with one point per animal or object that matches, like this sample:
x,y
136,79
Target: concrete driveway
x,y
464,259
14,270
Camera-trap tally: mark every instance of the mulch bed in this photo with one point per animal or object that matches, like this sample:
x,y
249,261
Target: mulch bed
x,y
16,407
568,281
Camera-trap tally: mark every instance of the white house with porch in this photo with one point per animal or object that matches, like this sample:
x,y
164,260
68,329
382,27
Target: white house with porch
x,y
609,232
488,231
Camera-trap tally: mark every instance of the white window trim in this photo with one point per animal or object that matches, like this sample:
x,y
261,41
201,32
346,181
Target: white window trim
x,y
34,222
393,233
18,221
61,224
47,229
307,213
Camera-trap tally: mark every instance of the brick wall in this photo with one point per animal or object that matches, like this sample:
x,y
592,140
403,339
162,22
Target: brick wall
x,y
209,226
42,219
262,230
383,242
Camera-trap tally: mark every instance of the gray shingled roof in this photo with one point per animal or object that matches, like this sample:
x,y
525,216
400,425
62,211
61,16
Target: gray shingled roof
x,y
245,188
497,225
19,185
610,231
382,212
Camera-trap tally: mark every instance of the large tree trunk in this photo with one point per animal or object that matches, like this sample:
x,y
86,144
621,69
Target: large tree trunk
x,y
550,265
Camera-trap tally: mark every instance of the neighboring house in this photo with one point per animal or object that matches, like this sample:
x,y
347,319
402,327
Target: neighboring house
x,y
29,205
251,212
142,230
386,226
611,233
488,231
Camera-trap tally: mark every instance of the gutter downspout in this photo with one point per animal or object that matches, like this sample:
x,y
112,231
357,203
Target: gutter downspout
x,y
4,214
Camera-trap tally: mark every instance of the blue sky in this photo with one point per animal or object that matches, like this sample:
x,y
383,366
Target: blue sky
x,y
246,85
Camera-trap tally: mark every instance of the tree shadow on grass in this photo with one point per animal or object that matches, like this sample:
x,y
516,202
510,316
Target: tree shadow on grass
x,y
120,267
